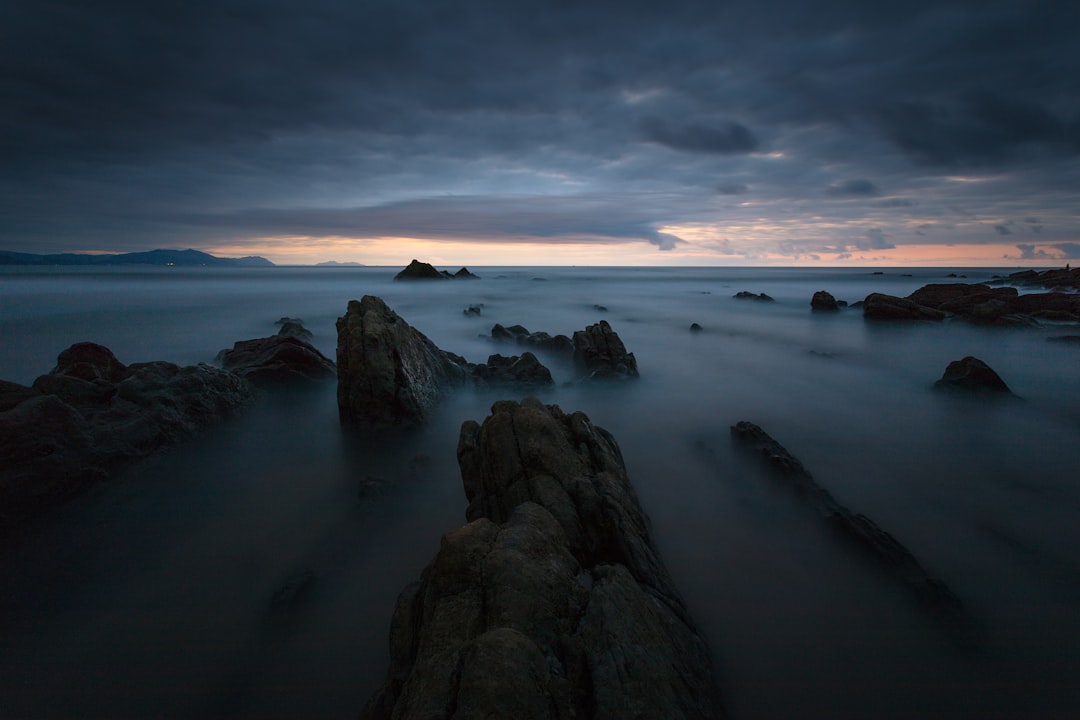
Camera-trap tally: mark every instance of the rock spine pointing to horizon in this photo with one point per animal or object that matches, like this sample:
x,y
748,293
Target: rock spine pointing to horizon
x,y
552,603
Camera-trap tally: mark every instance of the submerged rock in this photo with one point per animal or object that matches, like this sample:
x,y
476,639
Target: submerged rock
x,y
856,528
388,372
747,295
92,415
599,353
972,375
552,602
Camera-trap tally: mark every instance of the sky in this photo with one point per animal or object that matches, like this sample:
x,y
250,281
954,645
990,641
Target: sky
x,y
615,132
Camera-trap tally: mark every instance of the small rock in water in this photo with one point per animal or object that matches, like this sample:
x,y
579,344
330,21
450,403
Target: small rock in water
x,y
473,310
972,375
695,328
746,295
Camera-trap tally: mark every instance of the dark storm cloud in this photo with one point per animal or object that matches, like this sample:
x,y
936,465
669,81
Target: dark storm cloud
x,y
724,139
853,188
121,122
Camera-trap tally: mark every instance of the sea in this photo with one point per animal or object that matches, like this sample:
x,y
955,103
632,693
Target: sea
x,y
160,593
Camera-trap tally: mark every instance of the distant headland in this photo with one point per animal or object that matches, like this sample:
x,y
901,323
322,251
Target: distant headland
x,y
179,258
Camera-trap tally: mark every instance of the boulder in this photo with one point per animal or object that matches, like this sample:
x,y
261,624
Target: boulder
x,y
823,301
599,353
388,372
552,602
972,375
11,394
856,529
92,415
879,306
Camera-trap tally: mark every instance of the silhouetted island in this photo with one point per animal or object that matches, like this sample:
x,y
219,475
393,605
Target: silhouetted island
x,y
183,258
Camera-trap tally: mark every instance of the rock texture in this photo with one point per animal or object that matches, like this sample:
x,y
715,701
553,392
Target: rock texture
x,y
823,301
972,375
92,414
284,358
856,528
389,373
520,370
599,353
552,603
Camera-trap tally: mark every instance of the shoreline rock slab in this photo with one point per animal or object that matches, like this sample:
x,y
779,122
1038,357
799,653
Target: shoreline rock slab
x,y
92,414
552,602
857,528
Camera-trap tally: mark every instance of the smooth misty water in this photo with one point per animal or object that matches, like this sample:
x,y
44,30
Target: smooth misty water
x,y
151,596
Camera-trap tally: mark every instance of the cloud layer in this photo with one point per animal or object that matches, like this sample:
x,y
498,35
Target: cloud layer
x,y
714,131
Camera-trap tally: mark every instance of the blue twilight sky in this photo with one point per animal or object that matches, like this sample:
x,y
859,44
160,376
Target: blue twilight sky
x,y
492,132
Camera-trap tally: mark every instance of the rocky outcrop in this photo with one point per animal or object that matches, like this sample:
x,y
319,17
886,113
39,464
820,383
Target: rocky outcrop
x,y
1063,278
747,295
972,375
599,353
388,372
92,414
417,270
520,335
552,602
862,532
284,358
879,306
520,370
823,301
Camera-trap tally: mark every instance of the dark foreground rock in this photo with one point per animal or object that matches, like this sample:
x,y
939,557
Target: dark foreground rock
x,y
552,603
92,414
599,353
417,270
972,375
283,358
856,528
823,301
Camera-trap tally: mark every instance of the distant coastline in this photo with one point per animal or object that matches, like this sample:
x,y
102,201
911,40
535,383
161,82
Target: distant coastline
x,y
178,258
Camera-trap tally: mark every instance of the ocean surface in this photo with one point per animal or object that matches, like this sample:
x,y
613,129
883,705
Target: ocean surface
x,y
152,595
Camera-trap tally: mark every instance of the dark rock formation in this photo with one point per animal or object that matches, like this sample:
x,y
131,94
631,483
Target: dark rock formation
x,y
879,306
747,295
284,358
388,372
554,344
473,310
599,353
552,603
856,528
524,370
695,328
92,414
417,270
972,375
1063,278
823,301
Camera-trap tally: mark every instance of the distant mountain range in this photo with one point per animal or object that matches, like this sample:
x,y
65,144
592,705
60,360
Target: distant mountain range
x,y
335,263
180,258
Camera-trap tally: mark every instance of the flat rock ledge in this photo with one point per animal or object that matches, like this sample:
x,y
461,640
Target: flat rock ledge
x,y
92,414
552,602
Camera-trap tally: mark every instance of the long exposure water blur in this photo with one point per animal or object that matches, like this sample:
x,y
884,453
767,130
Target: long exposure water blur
x,y
151,595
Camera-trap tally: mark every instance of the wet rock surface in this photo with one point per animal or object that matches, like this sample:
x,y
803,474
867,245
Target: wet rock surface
x,y
92,414
823,301
552,602
287,357
857,529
